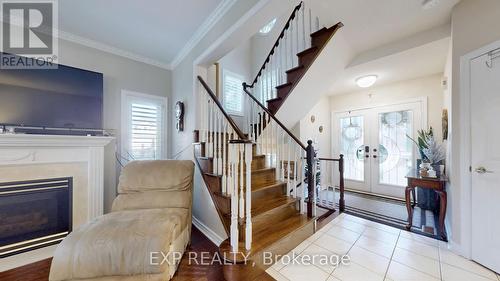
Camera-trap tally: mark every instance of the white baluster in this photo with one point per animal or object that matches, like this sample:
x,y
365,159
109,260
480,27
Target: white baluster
x,y
303,9
216,145
220,150
242,175
248,185
234,200
224,159
295,169
278,147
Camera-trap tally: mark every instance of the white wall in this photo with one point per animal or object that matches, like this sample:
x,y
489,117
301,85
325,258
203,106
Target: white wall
x,y
310,131
119,73
238,61
237,25
429,86
475,23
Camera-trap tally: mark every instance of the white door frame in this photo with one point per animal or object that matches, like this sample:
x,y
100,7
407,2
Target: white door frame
x,y
423,100
465,177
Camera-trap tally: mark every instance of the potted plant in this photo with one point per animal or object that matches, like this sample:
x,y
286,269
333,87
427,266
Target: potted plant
x,y
432,154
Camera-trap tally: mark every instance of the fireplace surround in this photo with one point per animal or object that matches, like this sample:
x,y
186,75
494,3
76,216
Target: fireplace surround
x,y
25,157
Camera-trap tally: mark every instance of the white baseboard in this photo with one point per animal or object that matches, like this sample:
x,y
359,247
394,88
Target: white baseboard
x,y
214,237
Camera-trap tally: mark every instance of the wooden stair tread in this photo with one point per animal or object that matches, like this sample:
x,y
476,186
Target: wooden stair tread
x,y
275,99
284,85
271,204
267,186
309,50
321,32
264,237
294,69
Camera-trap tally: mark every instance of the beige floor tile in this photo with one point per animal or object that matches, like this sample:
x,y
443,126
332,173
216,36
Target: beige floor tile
x,y
276,275
420,238
369,260
301,272
343,233
385,228
451,258
418,248
418,262
351,225
279,264
356,272
400,272
333,244
375,246
315,236
324,259
301,247
381,235
452,273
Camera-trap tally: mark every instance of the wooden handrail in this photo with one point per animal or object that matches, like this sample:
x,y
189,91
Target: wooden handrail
x,y
235,127
304,147
276,44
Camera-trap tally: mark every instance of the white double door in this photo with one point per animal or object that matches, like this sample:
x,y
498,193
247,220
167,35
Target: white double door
x,y
374,141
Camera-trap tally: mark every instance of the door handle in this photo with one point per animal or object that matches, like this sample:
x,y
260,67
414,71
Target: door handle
x,y
482,170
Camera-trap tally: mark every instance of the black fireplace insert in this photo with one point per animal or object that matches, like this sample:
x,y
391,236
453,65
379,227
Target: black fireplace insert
x,y
34,214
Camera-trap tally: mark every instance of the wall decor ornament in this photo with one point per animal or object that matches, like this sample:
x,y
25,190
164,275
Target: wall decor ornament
x,y
321,129
313,118
179,116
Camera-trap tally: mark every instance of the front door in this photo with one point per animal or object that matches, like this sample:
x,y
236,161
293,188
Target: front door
x,y
378,154
485,160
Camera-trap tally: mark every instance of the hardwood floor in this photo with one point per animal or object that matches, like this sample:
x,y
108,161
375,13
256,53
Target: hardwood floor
x,y
39,271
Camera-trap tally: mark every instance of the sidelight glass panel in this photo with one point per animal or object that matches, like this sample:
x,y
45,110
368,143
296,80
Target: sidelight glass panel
x,y
352,146
395,151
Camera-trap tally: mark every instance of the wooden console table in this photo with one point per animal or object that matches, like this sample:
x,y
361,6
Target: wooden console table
x,y
436,184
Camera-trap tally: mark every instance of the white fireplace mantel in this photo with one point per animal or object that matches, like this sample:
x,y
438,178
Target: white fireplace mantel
x,y
26,149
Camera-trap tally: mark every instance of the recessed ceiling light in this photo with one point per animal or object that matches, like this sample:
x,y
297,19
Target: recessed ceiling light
x,y
268,27
366,81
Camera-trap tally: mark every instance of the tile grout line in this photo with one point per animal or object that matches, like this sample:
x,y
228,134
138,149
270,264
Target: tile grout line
x,y
392,255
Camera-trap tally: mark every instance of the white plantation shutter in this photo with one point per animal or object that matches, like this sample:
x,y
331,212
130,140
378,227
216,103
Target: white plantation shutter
x,y
233,93
144,138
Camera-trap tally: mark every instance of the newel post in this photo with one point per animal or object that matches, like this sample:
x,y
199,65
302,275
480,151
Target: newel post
x,y
341,185
310,178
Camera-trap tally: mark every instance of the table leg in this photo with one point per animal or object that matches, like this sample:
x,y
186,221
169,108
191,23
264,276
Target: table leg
x,y
409,208
414,202
442,212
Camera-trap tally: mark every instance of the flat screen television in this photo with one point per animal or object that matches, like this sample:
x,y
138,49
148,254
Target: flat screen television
x,y
64,98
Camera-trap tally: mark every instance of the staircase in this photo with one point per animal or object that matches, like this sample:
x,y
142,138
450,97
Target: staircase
x,y
257,174
278,219
295,50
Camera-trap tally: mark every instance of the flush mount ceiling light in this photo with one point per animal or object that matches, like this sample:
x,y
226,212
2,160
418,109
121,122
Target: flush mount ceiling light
x,y
366,81
268,27
429,4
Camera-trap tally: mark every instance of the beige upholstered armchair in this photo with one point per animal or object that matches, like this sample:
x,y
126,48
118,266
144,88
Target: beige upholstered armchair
x,y
150,220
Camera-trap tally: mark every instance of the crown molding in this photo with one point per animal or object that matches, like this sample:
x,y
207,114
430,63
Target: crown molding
x,y
110,49
204,28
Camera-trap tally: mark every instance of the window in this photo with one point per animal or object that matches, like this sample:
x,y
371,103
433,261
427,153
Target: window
x,y
233,93
143,126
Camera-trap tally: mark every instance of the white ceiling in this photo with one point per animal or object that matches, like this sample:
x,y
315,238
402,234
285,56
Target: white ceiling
x,y
156,30
394,39
372,23
416,62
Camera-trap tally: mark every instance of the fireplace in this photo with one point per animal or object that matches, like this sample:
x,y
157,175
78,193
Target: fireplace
x,y
34,214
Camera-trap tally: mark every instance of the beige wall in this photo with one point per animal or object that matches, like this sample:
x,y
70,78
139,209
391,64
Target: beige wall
x,y
119,73
429,86
475,23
